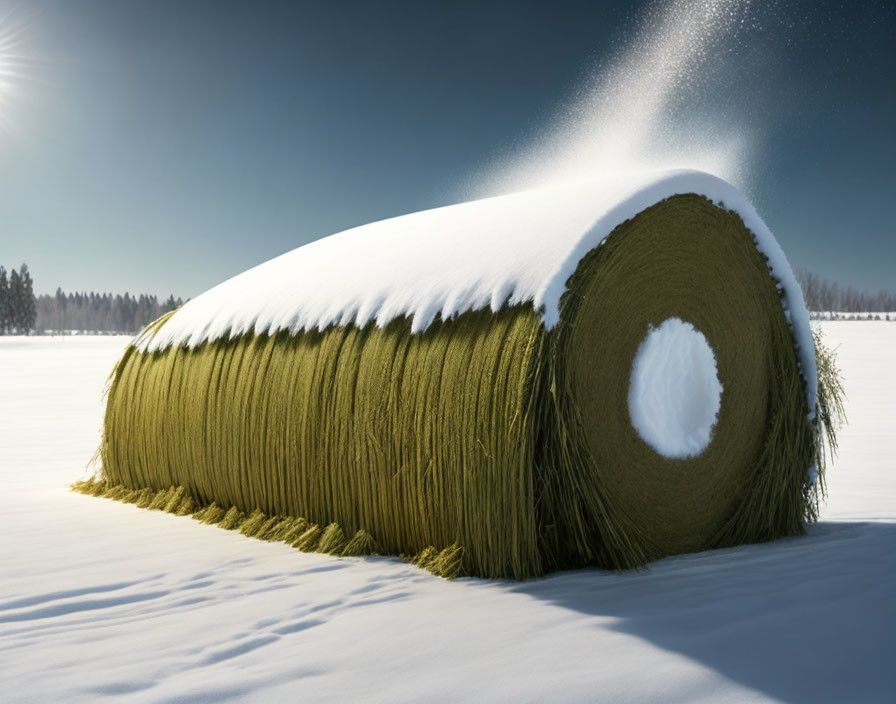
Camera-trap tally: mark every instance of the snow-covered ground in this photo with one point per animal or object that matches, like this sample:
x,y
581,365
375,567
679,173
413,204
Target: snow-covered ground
x,y
104,600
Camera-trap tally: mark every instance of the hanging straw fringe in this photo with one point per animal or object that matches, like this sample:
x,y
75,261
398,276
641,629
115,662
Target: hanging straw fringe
x,y
295,532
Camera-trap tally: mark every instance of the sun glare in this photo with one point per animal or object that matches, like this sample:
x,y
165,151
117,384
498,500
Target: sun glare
x,y
12,62
7,48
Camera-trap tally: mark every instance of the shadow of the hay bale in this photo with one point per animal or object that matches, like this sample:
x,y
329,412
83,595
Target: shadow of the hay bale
x,y
799,619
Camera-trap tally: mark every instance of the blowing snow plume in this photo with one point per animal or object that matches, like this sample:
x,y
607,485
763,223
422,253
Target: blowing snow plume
x,y
648,108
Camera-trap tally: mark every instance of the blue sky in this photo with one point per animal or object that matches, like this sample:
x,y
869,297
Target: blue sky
x,y
164,146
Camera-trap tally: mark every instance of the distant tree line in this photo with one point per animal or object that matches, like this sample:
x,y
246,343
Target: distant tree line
x,y
21,312
823,295
99,312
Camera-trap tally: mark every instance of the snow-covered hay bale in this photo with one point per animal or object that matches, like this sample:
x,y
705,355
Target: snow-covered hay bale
x,y
599,373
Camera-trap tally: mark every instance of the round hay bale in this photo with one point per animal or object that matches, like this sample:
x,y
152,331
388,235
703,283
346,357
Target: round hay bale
x,y
595,374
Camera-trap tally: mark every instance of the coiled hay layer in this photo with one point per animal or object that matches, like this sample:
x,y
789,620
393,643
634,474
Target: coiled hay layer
x,y
487,433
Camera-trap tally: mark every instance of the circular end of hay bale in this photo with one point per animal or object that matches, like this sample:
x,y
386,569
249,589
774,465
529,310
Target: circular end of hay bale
x,y
682,259
674,392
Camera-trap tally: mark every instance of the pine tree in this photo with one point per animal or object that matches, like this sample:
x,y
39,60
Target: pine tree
x,y
14,301
60,311
171,304
28,306
4,301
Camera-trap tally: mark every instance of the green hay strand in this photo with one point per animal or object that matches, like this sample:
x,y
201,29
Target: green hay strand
x,y
233,519
830,411
161,499
291,533
332,541
251,526
309,540
274,528
362,543
448,563
211,514
508,444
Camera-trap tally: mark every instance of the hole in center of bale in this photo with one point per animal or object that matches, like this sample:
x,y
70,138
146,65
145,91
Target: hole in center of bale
x,y
674,391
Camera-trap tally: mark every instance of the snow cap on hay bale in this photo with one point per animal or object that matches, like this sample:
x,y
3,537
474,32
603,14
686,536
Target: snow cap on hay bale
x,y
598,373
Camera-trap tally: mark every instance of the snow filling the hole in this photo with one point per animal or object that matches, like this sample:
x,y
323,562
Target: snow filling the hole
x,y
674,392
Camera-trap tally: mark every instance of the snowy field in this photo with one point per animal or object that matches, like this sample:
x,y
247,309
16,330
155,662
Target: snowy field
x,y
101,600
